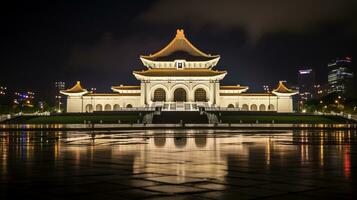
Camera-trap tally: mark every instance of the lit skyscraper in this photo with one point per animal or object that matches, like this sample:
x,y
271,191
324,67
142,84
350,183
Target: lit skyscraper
x,y
306,82
340,75
59,85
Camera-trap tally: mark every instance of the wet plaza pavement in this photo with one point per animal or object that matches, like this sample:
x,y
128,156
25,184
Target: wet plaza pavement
x,y
179,164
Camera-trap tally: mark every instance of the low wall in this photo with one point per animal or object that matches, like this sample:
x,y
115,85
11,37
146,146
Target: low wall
x,y
88,127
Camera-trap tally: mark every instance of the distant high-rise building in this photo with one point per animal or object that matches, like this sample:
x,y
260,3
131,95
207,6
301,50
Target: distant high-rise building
x,y
340,76
306,84
59,85
306,80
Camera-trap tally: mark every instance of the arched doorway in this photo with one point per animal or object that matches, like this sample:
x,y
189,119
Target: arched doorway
x,y
271,107
230,106
262,107
200,95
108,107
245,107
99,107
116,107
89,108
180,94
253,107
159,95
129,106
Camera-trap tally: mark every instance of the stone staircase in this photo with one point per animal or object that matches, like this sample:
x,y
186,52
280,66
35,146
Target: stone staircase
x,y
176,117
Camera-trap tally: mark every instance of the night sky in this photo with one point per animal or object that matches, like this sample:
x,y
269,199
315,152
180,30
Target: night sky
x,y
99,43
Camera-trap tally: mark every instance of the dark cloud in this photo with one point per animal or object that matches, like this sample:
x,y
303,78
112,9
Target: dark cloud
x,y
111,58
256,17
110,52
100,42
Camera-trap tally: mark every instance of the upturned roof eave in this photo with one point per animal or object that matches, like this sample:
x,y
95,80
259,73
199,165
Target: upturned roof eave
x,y
180,36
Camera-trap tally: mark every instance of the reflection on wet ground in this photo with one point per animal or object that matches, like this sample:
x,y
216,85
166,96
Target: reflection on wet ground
x,y
179,164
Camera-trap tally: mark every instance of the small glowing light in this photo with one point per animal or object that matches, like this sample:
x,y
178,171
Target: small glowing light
x,y
306,71
304,110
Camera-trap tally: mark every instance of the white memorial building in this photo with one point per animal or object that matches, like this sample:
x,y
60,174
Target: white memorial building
x,y
179,77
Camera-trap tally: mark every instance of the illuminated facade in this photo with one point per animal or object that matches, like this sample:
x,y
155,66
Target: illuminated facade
x,y
340,76
179,77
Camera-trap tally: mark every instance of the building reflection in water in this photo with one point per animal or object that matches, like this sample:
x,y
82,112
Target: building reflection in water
x,y
184,153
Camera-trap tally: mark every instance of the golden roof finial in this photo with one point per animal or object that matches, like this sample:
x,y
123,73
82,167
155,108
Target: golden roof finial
x,y
180,34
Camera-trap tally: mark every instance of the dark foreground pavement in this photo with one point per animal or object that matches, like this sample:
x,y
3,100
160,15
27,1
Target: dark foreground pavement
x,y
179,164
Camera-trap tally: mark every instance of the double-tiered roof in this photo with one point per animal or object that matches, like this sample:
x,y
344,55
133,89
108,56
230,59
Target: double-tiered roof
x,y
180,48
180,52
180,58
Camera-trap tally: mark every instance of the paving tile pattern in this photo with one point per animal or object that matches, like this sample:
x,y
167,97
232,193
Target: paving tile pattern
x,y
179,164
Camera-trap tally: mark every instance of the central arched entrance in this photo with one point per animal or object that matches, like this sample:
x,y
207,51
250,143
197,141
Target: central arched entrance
x,y
180,94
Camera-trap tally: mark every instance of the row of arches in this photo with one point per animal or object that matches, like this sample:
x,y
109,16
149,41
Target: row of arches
x,y
180,95
254,107
107,107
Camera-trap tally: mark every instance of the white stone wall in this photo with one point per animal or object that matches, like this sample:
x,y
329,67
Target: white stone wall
x,y
285,104
97,103
249,102
74,104
258,103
